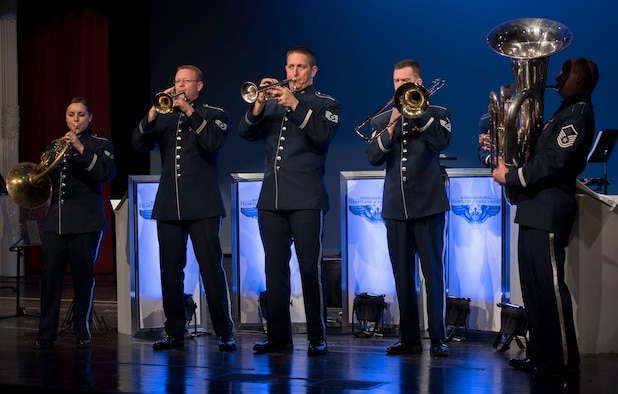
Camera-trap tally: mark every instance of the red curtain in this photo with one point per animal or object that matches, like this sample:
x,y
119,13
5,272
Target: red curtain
x,y
64,52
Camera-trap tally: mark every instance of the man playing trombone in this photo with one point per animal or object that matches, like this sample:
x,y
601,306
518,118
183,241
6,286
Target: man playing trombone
x,y
413,207
297,125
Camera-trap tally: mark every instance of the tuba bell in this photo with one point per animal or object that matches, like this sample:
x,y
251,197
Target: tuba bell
x,y
28,184
514,127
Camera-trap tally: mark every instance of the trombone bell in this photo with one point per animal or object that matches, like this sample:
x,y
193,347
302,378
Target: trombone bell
x,y
411,99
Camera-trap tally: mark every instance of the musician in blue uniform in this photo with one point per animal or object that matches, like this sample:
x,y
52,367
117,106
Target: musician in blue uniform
x,y
74,224
296,124
413,207
188,202
544,190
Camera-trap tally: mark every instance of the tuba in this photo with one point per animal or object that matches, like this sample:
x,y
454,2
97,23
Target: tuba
x,y
514,128
29,184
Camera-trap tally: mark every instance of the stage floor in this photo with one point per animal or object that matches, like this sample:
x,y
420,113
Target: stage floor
x,y
120,363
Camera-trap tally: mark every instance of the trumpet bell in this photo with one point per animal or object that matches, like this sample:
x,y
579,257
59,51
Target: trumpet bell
x,y
249,92
412,100
163,103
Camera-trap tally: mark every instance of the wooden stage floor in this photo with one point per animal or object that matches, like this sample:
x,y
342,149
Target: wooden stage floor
x,y
120,363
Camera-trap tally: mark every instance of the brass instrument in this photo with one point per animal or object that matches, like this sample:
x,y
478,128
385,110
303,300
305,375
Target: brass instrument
x,y
164,102
29,184
250,91
514,127
411,99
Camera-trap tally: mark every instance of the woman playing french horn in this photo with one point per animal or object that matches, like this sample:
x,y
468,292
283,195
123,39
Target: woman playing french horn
x,y
75,222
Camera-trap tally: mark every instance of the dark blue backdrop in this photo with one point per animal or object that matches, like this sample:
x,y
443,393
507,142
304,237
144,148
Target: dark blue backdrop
x,y
356,44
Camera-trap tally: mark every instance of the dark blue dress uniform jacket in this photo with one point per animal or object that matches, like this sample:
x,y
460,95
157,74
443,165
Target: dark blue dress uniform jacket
x,y
77,204
545,185
413,185
189,148
296,149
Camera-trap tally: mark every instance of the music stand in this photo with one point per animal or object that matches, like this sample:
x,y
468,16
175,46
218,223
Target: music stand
x,y
23,227
602,149
4,191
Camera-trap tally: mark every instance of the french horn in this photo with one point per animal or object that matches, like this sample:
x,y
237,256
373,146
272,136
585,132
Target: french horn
x,y
28,184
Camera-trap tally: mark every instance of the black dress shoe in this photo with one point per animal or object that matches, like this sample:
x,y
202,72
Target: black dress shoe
x,y
83,343
169,342
438,348
42,344
405,347
317,348
525,364
273,347
227,344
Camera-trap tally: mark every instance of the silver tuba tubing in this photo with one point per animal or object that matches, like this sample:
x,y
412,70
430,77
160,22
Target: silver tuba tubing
x,y
528,42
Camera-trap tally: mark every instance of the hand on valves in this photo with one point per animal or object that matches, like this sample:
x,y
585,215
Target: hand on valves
x,y
72,138
272,89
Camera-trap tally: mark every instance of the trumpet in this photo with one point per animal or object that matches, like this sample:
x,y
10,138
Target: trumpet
x,y
163,102
250,91
411,99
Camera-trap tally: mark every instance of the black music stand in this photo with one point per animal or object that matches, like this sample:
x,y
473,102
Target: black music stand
x,y
602,149
4,191
23,227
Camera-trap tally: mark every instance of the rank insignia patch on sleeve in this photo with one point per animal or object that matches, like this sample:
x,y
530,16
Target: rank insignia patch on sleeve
x,y
567,136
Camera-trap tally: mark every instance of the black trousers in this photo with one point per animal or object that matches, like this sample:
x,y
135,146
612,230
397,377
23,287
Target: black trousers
x,y
80,251
547,299
279,229
173,238
425,237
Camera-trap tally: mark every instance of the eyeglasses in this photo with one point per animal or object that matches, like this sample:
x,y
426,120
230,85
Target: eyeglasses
x,y
185,80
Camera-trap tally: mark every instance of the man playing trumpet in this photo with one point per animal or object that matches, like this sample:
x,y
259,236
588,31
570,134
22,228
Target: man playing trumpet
x,y
188,202
297,128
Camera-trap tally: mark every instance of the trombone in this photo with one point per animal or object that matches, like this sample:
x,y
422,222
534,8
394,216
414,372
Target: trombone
x,y
250,91
411,99
163,102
